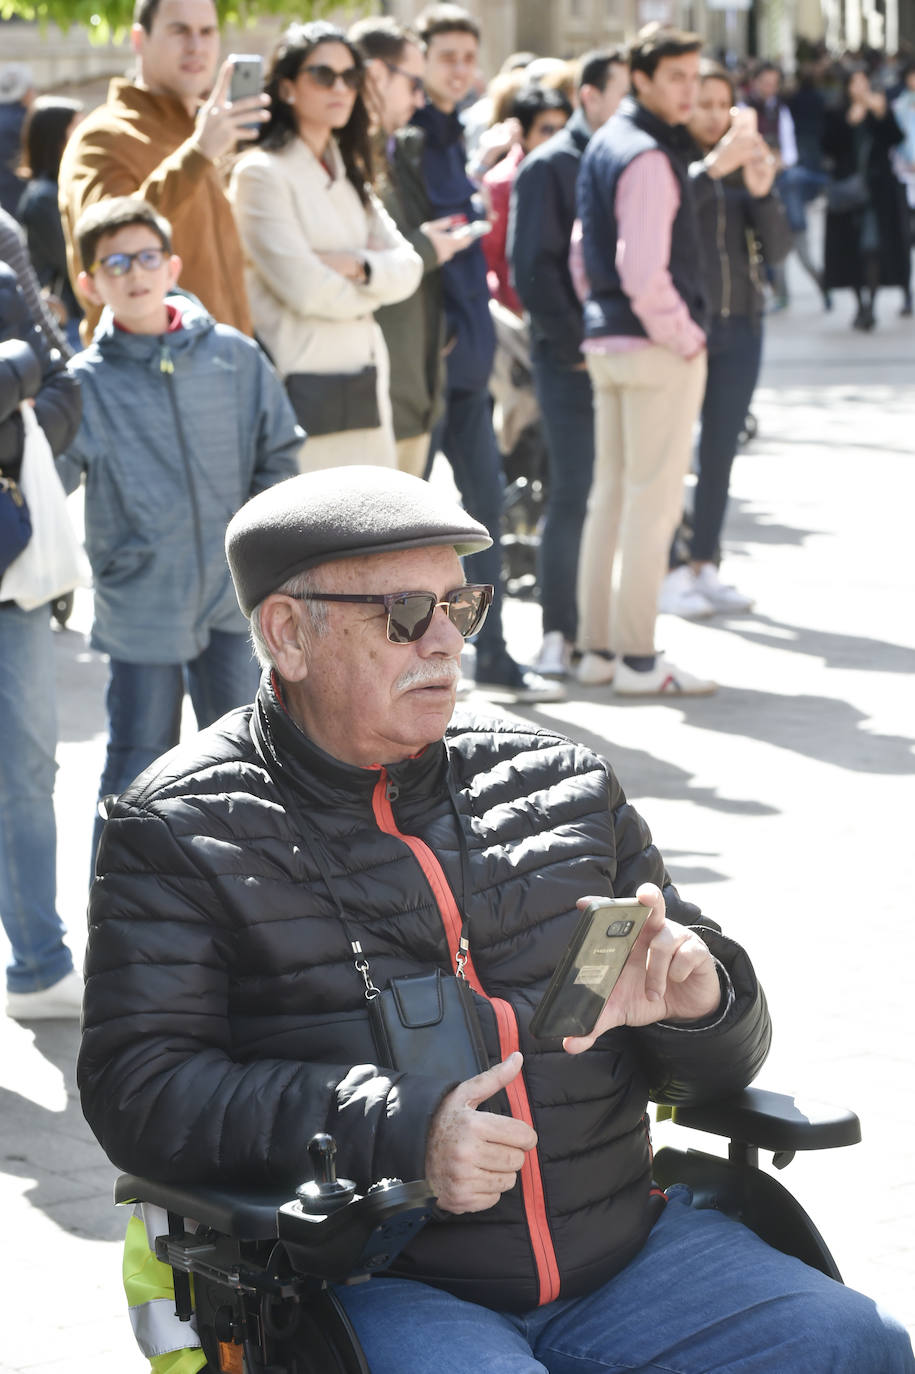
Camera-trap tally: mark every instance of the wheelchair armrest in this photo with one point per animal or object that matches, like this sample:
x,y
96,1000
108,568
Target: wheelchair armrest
x,y
248,1215
773,1121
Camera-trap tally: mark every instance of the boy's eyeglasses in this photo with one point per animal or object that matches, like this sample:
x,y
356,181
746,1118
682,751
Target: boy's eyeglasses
x,y
328,77
417,85
410,613
119,264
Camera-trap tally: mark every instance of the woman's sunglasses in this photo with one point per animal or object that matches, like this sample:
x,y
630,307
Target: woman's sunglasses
x,y
410,613
327,77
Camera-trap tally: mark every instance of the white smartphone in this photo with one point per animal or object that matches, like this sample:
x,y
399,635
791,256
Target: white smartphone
x,y
477,228
588,971
247,78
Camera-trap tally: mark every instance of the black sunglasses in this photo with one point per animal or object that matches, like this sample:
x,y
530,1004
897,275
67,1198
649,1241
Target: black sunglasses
x,y
417,85
410,613
328,77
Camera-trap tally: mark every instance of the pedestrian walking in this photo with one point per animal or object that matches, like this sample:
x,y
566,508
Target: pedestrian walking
x,y
867,240
322,253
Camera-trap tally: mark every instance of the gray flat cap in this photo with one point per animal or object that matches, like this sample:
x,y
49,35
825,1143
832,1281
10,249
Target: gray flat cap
x,y
339,513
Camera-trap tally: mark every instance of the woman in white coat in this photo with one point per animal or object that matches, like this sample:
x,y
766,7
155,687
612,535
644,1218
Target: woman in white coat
x,y
321,251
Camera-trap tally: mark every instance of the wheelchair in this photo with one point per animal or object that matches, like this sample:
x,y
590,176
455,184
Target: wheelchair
x,y
262,1265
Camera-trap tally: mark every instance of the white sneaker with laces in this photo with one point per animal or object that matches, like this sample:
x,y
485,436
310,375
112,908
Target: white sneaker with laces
x,y
596,671
663,680
721,596
555,657
681,595
62,1000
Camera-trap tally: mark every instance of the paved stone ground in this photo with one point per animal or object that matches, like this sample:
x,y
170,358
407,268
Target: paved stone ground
x,y
784,806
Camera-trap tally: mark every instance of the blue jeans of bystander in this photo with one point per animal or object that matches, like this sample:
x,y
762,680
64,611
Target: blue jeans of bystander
x,y
144,706
28,834
704,1294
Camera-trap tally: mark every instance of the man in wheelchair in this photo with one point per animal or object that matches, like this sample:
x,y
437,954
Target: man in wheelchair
x,y
274,894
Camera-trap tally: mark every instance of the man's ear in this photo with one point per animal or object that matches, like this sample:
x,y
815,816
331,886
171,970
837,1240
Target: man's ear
x,y
639,82
87,288
285,637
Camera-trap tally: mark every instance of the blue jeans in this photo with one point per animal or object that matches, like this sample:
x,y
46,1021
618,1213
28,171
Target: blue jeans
x,y
567,411
734,351
28,833
144,706
704,1294
465,436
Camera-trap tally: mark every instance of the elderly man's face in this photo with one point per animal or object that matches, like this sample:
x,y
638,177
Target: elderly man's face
x,y
365,700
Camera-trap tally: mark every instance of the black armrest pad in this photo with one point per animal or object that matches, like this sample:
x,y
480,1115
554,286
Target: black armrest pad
x,y
773,1121
248,1215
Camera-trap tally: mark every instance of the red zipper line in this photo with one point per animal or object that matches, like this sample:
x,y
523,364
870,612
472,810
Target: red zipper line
x,y
531,1178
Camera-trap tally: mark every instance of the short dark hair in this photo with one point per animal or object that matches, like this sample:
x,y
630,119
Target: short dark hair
x,y
767,67
382,37
445,18
108,216
534,100
655,42
710,70
144,12
289,57
594,67
45,133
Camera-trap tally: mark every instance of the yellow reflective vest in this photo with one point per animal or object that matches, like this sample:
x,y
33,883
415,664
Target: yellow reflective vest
x,y
170,1345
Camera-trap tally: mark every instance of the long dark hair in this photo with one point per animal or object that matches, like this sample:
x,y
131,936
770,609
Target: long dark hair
x,y
45,134
290,56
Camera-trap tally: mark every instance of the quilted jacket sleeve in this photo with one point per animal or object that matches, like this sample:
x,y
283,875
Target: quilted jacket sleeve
x,y
687,1064
158,1082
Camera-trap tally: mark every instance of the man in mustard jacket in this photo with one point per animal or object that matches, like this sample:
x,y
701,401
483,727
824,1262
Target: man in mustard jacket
x,y
154,138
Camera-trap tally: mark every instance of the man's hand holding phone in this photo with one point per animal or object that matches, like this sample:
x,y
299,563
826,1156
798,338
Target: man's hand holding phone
x,y
223,122
669,976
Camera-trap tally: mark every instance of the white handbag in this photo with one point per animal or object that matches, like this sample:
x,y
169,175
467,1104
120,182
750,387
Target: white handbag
x,y
53,562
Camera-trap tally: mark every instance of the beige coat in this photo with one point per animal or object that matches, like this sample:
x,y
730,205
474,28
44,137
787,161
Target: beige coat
x,y
288,208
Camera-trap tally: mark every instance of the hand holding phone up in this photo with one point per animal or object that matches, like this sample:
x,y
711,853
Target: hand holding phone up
x,y
223,122
669,976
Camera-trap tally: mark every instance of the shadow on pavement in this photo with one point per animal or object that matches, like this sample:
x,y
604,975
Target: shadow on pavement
x,y
71,1180
81,675
835,649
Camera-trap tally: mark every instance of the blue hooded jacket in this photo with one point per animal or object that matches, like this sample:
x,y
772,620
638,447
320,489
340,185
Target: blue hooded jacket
x,y
178,431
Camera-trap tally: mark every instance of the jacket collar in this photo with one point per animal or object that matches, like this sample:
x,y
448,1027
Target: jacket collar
x,y
579,130
195,320
441,129
674,137
317,776
166,109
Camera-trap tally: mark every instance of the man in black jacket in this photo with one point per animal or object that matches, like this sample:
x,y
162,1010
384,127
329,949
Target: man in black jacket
x,y
539,231
344,831
40,980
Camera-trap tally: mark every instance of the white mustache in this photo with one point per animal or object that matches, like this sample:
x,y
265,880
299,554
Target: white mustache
x,y
424,674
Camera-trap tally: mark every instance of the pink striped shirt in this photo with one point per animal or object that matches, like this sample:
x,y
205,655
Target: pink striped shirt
x,y
647,201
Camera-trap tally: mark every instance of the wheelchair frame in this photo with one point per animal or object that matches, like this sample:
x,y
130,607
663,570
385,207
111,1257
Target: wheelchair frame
x,y
263,1265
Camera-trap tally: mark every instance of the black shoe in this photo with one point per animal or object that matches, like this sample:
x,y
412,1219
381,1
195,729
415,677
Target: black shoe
x,y
864,320
503,674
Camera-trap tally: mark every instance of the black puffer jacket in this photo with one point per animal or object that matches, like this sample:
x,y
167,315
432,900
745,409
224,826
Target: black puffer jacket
x,y
224,1021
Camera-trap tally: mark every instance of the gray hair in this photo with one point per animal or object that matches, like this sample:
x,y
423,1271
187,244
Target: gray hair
x,y
315,619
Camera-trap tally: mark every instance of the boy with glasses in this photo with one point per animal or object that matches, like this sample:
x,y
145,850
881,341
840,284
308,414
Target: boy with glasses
x,y
183,421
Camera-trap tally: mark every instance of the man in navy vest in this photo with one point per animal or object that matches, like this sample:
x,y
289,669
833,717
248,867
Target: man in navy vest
x,y
644,321
540,227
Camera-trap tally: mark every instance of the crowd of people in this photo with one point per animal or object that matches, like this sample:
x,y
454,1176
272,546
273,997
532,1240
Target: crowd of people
x,y
228,301
322,273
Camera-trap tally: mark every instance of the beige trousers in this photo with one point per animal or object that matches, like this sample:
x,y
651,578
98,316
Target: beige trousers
x,y
412,454
645,405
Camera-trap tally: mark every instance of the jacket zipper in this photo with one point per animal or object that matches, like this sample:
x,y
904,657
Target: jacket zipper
x,y
532,1192
167,369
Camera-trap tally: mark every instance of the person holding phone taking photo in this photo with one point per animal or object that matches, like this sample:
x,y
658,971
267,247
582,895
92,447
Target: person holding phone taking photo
x,y
743,229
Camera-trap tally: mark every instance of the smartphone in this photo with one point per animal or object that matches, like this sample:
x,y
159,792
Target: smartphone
x,y
477,228
247,78
744,119
588,970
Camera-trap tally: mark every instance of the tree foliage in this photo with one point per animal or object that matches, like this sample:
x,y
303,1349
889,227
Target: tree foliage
x,y
111,20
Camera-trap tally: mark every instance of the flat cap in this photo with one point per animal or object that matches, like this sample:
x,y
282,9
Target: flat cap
x,y
340,512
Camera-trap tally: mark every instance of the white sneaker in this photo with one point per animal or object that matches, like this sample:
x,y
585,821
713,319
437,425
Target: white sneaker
x,y
681,595
62,1000
595,671
721,596
663,680
555,657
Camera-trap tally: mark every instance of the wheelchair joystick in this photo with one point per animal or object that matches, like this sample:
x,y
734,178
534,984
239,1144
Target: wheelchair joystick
x,y
325,1193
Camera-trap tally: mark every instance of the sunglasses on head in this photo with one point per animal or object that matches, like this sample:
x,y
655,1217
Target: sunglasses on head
x,y
119,264
410,613
328,77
